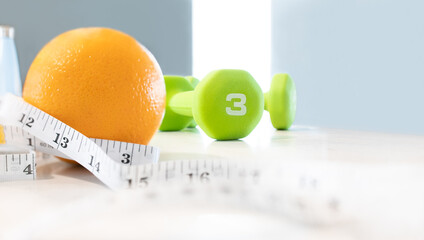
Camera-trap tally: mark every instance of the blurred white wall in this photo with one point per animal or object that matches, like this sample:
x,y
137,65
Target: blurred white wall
x,y
232,34
357,64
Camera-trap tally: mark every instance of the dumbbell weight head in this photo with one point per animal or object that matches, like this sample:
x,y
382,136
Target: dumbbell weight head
x,y
193,81
171,120
280,101
228,104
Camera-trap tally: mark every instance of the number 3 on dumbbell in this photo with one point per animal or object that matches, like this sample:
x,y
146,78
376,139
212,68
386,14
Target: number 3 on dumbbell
x,y
236,104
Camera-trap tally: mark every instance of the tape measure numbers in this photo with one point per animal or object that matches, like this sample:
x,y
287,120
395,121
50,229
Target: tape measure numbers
x,y
126,153
115,163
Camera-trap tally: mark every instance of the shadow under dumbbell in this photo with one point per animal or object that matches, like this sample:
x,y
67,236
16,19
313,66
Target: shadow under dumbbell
x,y
190,130
233,150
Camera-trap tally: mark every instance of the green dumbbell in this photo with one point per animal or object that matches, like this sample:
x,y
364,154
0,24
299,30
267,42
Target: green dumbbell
x,y
193,82
280,101
226,104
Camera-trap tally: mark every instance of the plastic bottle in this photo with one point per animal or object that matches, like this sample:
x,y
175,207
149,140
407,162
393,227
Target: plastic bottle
x,y
10,80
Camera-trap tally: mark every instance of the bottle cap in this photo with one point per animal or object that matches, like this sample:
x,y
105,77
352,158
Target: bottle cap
x,y
7,31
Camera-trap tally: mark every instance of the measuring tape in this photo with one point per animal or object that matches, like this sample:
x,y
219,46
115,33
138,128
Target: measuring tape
x,y
18,166
116,164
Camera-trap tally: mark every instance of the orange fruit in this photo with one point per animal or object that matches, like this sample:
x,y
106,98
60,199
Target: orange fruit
x,y
101,82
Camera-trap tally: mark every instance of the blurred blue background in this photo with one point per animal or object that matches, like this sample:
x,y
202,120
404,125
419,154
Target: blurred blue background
x,y
357,64
163,26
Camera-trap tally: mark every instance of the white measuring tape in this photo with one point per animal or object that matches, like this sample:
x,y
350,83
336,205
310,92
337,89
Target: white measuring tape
x,y
17,166
116,164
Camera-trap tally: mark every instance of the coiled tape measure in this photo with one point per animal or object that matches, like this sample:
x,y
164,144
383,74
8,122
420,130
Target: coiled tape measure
x,y
323,194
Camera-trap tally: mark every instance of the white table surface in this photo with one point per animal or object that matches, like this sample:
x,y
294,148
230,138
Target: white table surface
x,y
372,181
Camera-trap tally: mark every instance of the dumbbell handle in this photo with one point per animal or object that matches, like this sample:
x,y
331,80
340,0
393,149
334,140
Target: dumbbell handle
x,y
182,103
266,100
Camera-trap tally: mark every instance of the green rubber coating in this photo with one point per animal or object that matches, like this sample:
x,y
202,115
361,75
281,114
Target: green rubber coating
x,y
193,81
280,101
228,104
182,103
172,121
